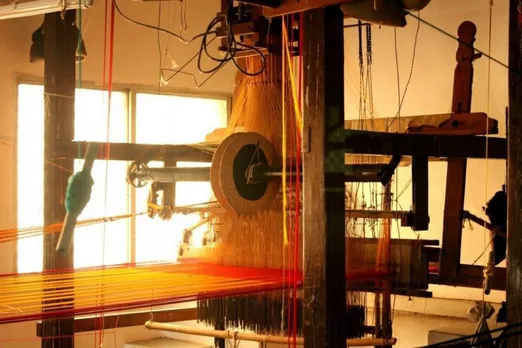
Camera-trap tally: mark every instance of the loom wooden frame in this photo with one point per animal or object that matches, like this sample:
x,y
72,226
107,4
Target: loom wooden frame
x,y
467,275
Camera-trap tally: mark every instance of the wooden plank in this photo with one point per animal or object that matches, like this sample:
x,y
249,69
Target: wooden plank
x,y
59,88
113,321
295,6
514,176
456,172
476,123
131,152
323,206
443,146
473,277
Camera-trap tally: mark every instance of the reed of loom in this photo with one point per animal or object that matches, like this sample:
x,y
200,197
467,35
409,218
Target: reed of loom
x,y
257,241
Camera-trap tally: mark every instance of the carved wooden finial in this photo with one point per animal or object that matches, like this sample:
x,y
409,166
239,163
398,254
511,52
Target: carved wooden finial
x,y
465,53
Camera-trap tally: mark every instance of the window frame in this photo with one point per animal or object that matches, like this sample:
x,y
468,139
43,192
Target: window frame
x,y
131,91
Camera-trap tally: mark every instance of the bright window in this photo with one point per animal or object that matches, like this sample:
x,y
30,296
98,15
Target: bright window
x,y
160,119
92,243
163,119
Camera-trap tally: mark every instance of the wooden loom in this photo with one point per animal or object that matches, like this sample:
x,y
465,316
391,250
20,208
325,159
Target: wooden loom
x,y
436,147
443,145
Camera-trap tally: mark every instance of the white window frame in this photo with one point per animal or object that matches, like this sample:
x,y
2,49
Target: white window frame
x,y
131,92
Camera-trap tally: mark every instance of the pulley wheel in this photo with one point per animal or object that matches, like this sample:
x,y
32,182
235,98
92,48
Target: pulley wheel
x,y
242,151
133,169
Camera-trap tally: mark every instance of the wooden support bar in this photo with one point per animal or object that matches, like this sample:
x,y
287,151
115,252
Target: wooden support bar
x,y
475,123
264,3
456,177
467,215
59,88
445,146
473,277
323,208
514,176
244,336
113,321
295,6
420,193
131,152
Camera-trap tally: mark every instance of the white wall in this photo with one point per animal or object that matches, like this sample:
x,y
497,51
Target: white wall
x,y
136,62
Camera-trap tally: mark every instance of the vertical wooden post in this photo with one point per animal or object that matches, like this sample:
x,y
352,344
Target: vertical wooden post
x,y
59,87
419,172
169,191
456,177
386,321
323,214
514,177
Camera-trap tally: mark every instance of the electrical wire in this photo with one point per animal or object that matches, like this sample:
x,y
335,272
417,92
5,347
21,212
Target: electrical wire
x,y
233,46
179,37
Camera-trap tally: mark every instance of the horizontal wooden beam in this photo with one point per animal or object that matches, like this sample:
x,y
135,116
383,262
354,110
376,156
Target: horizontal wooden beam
x,y
264,3
475,123
113,321
296,6
445,146
132,152
470,276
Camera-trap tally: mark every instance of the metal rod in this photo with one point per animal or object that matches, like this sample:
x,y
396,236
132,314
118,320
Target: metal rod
x,y
356,173
174,174
243,336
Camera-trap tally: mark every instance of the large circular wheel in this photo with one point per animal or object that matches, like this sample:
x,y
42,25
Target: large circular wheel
x,y
239,153
214,172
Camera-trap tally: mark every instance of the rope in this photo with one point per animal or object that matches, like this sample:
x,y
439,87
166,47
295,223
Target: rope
x,y
488,268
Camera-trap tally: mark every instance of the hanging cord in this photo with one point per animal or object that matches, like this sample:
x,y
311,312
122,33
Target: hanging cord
x,y
489,265
401,100
283,172
179,37
233,44
109,85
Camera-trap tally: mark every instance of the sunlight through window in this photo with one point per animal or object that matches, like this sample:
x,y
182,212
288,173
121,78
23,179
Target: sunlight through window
x,y
90,125
160,119
163,119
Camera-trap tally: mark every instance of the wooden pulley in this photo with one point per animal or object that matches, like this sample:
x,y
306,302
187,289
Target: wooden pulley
x,y
230,173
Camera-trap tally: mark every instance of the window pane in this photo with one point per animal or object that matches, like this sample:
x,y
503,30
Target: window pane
x,y
90,125
163,119
30,174
106,243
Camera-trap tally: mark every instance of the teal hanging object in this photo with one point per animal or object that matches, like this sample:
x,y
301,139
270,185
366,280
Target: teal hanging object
x,y
77,196
78,193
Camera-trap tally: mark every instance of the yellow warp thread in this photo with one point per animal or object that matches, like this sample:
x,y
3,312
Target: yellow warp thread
x,y
283,177
298,114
